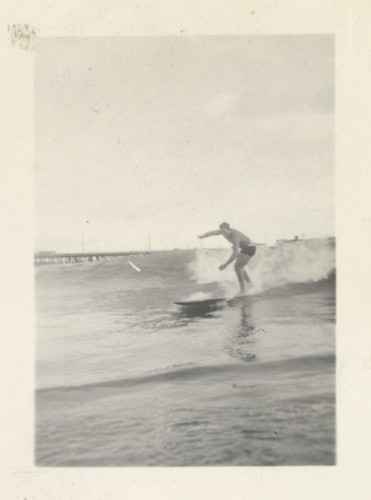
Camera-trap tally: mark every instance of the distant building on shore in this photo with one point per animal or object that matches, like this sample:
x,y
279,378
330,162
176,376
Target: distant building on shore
x,y
296,238
330,239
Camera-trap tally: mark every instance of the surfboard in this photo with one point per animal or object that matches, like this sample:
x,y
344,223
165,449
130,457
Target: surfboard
x,y
238,299
200,303
212,302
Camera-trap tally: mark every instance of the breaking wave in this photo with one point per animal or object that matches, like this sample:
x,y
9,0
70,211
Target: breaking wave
x,y
305,261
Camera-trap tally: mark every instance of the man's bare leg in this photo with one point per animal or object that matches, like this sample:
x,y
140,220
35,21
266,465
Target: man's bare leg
x,y
247,277
242,275
241,279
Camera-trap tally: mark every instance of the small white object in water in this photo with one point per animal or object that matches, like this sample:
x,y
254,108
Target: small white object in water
x,y
134,266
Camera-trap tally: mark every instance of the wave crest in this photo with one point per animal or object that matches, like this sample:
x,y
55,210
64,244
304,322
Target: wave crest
x,y
289,262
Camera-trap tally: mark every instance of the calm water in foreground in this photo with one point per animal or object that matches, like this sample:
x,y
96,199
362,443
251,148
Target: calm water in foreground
x,y
127,378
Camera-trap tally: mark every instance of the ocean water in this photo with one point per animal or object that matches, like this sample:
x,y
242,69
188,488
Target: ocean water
x,y
124,377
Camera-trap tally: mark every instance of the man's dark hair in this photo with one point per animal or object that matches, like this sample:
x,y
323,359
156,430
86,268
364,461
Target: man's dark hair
x,y
224,225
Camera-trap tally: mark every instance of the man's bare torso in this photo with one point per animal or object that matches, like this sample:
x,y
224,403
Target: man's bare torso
x,y
237,237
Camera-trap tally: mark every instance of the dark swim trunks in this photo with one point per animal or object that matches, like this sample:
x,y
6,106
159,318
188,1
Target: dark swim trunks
x,y
247,249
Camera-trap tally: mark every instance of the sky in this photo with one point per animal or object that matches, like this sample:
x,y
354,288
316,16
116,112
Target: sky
x,y
160,139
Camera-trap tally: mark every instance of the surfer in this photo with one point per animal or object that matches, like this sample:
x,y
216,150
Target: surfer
x,y
243,250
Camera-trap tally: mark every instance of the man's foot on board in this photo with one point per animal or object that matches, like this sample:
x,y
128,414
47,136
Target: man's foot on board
x,y
242,294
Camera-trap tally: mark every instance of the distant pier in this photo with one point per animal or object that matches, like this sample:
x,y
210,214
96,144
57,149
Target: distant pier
x,y
42,258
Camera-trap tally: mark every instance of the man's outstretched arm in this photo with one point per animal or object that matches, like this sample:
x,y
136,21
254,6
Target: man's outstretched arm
x,y
210,233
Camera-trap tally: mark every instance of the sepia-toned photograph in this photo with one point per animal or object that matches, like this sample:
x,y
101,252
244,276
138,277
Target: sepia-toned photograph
x,y
185,251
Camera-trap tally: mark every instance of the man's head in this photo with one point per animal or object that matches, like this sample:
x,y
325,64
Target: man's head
x,y
225,228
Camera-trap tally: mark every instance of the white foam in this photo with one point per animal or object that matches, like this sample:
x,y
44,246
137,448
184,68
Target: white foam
x,y
198,296
293,262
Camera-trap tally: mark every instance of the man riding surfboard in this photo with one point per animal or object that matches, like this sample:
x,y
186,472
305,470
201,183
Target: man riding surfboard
x,y
243,250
